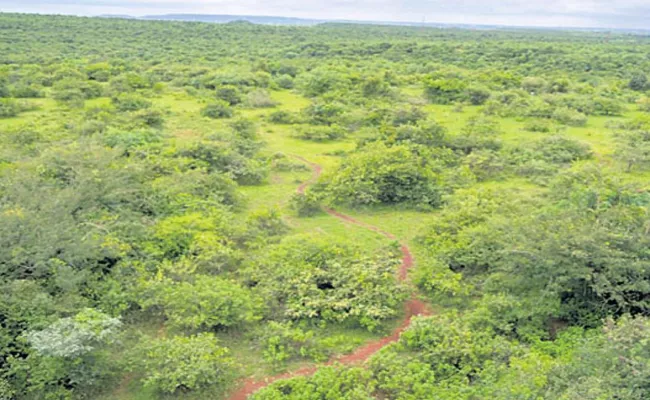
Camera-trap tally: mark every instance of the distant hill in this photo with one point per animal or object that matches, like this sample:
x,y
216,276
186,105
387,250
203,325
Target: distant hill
x,y
121,16
262,20
270,20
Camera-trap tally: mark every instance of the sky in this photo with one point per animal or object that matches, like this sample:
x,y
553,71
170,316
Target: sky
x,y
630,14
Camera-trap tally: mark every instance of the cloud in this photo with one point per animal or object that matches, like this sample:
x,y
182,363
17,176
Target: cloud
x,y
579,13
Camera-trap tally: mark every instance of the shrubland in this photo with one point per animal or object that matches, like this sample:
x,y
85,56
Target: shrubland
x,y
154,246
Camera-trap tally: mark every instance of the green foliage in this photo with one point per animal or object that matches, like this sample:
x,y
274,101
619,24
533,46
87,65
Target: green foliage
x,y
130,102
305,204
133,206
260,99
329,383
308,279
478,95
633,149
8,108
384,175
216,110
282,117
74,337
205,303
229,94
638,82
445,91
569,117
320,133
183,363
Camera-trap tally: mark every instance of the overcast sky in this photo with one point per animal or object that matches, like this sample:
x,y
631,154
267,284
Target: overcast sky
x,y
566,13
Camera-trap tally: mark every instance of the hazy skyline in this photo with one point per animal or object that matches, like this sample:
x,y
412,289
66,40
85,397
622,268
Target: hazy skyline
x,y
631,14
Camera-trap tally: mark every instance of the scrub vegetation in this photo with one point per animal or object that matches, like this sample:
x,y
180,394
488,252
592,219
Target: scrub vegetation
x,y
188,209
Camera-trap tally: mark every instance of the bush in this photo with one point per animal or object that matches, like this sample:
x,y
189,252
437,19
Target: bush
x,y
73,337
8,108
282,117
445,91
315,280
569,117
538,125
183,363
639,82
305,204
260,99
408,116
130,102
206,303
285,82
558,149
644,104
229,94
478,95
215,110
326,383
382,175
320,133
25,91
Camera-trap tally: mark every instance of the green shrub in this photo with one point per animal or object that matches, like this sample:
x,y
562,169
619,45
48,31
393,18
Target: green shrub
x,y
569,117
538,125
230,94
215,110
382,175
478,95
320,133
183,363
8,108
130,102
445,91
305,204
308,279
206,303
285,81
260,99
282,117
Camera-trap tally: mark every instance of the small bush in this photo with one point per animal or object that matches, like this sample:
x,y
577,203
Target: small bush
x,y
130,102
538,125
179,362
216,110
282,117
569,117
305,204
229,94
260,99
8,108
321,133
285,82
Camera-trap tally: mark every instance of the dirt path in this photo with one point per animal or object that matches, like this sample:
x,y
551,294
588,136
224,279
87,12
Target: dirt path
x,y
413,307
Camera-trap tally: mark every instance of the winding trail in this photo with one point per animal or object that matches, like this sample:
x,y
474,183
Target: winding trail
x,y
413,307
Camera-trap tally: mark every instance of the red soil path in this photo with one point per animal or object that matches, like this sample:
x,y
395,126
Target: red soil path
x,y
413,307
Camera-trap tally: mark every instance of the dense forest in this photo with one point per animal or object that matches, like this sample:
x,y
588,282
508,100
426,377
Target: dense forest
x,y
216,211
